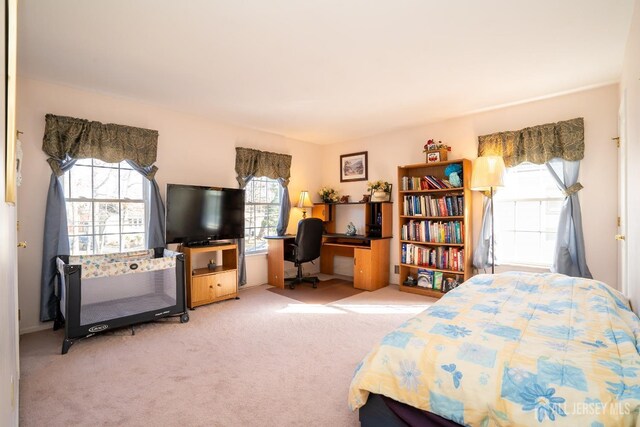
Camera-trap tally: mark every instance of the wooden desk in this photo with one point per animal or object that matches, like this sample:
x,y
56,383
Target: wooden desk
x,y
275,258
370,258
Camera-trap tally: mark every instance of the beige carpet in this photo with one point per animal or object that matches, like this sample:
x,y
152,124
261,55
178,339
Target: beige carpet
x,y
327,291
262,360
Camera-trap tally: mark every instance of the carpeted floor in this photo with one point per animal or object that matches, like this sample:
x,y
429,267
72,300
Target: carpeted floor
x,y
326,292
262,360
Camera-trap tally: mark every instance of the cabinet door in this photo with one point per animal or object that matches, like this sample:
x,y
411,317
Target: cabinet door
x,y
202,289
224,283
362,268
322,211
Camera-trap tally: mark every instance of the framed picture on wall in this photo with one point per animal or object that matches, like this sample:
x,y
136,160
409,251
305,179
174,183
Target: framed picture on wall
x,y
353,167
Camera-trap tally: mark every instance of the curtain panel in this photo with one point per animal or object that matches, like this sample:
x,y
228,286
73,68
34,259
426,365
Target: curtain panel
x,y
83,139
68,139
552,142
252,163
537,144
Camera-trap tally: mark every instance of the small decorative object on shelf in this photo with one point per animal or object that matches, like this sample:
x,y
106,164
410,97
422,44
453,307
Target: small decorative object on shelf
x,y
328,195
344,199
380,191
454,174
410,281
365,198
436,151
351,229
211,265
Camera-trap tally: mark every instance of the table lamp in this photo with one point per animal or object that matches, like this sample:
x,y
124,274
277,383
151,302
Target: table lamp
x,y
487,173
304,202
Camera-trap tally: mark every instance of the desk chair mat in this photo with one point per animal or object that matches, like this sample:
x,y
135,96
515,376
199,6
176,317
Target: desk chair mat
x,y
328,291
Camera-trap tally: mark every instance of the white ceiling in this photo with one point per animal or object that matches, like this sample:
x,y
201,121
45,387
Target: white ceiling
x,y
325,70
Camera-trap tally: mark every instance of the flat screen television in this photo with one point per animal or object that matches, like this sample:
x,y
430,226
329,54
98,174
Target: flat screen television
x,y
198,215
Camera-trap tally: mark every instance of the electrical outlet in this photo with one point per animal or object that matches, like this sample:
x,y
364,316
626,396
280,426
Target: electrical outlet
x,y
396,269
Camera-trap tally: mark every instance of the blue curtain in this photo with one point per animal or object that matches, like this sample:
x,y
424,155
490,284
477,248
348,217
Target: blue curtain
x,y
285,208
242,264
56,241
569,256
155,226
481,253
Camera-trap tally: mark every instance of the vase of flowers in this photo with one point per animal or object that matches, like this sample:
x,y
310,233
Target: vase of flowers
x,y
328,195
380,191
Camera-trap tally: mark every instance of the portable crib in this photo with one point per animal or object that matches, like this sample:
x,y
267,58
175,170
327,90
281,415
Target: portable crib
x,y
101,292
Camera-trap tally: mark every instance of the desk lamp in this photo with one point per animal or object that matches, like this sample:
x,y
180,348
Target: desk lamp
x,y
487,173
304,202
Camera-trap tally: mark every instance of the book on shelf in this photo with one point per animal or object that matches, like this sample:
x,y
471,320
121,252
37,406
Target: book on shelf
x,y
437,280
424,278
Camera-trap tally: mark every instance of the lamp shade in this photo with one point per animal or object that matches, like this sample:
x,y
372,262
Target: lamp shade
x,y
487,172
304,201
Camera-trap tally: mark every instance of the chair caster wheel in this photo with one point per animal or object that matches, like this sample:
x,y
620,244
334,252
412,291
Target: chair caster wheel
x,y
315,285
184,318
292,286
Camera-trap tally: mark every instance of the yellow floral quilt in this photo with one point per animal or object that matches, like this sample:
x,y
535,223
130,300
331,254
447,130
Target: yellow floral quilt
x,y
514,349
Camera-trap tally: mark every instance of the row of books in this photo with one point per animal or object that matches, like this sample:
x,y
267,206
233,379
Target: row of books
x,y
430,279
427,182
433,231
423,205
443,258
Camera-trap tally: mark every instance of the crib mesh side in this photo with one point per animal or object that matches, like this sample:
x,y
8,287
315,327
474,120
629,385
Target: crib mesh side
x,y
112,297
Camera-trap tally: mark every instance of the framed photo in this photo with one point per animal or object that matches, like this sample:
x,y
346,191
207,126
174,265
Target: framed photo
x,y
433,156
353,167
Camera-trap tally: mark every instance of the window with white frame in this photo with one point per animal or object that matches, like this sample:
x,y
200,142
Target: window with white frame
x,y
262,210
106,210
527,211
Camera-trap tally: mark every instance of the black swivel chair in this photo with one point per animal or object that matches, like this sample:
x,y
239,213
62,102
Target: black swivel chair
x,y
305,249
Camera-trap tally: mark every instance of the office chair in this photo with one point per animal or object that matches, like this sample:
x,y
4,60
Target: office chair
x,y
305,249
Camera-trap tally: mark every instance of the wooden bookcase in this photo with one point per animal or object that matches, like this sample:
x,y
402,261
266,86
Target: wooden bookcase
x,y
457,227
206,285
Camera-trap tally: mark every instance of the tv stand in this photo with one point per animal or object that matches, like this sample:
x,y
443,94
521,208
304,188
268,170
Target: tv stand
x,y
205,285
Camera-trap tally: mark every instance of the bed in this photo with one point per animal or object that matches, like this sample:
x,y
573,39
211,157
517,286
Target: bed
x,y
508,349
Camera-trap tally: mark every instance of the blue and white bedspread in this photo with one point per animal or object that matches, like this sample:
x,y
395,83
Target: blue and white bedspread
x,y
514,349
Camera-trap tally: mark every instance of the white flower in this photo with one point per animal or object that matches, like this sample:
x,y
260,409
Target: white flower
x,y
409,374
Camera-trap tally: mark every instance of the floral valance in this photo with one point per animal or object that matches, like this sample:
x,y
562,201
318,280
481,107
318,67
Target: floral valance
x,y
68,137
537,144
250,163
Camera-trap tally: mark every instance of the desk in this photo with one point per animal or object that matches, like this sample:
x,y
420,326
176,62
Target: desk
x,y
275,258
370,258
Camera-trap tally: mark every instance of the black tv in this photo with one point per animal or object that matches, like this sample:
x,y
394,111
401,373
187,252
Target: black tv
x,y
198,215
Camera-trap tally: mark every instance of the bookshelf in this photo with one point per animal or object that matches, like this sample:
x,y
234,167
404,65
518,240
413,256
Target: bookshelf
x,y
434,227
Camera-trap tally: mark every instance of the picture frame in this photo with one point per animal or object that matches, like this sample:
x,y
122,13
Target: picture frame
x,y
433,156
354,167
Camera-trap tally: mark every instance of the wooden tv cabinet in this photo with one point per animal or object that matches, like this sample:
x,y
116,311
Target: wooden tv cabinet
x,y
205,285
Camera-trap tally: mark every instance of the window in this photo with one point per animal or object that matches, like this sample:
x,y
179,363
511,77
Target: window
x,y
105,207
262,209
527,211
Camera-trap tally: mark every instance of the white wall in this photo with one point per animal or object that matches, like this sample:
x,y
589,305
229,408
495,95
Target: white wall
x,y
630,84
191,150
597,174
